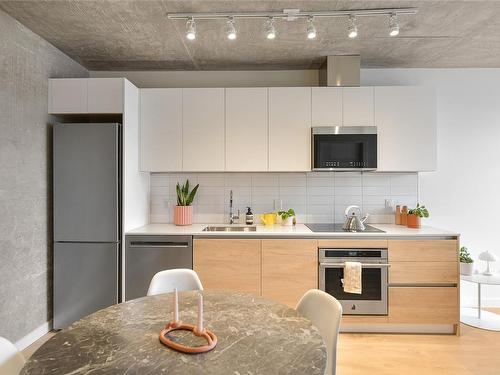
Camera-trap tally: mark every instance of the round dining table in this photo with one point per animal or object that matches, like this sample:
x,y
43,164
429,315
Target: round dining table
x,y
255,336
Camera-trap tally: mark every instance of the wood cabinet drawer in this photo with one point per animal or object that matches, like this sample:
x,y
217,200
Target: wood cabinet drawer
x,y
427,305
423,273
423,251
289,269
228,264
351,244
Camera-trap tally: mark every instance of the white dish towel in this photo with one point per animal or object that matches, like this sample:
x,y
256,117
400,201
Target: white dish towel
x,y
352,277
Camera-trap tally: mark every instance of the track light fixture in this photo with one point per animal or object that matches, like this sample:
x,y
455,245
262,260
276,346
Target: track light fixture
x,y
393,25
191,29
270,29
352,28
294,14
311,30
231,30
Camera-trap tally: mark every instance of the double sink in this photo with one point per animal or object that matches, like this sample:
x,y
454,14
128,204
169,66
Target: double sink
x,y
229,229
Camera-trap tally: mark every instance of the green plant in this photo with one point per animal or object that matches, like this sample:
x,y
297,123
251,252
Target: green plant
x,y
465,255
419,211
184,196
286,214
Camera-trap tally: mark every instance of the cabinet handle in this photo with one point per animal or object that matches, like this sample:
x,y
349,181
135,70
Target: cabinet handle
x,y
159,244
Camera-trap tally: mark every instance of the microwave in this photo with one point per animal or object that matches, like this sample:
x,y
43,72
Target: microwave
x,y
344,148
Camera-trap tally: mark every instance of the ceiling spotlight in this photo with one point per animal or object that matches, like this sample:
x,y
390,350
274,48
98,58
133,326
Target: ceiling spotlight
x,y
270,29
393,25
231,30
191,29
352,29
311,30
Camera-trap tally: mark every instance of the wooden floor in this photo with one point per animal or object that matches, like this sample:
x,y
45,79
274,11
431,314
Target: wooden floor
x,y
475,351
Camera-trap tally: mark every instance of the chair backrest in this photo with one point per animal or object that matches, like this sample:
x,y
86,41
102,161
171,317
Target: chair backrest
x,y
11,360
325,312
180,278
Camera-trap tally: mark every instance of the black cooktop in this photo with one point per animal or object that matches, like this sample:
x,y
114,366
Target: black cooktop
x,y
328,227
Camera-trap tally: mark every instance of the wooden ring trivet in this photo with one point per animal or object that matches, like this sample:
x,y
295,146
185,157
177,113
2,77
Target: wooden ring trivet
x,y
206,334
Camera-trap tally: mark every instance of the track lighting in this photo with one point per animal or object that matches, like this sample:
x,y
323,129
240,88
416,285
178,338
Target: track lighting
x,y
231,30
311,30
191,29
393,25
270,29
352,29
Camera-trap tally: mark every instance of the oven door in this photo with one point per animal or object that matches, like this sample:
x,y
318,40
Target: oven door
x,y
341,149
372,300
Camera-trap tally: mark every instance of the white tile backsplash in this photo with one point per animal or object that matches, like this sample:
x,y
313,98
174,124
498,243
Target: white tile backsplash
x,y
316,197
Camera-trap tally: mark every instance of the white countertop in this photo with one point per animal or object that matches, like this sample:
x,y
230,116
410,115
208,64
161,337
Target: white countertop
x,y
300,230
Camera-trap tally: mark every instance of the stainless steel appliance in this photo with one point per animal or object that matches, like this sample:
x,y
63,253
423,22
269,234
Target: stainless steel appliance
x,y
147,255
344,148
373,299
353,220
338,228
86,199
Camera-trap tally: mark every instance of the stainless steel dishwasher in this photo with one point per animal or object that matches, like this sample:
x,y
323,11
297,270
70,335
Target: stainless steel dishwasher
x,y
147,255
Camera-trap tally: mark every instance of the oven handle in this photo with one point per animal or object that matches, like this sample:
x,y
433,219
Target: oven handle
x,y
363,265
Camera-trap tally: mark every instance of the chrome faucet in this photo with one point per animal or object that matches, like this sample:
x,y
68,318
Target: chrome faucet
x,y
232,216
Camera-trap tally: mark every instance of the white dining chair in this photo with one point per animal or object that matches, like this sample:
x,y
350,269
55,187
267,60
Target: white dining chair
x,y
11,360
180,278
325,313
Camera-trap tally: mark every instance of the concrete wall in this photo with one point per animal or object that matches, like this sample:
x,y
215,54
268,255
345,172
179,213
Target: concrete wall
x,y
26,61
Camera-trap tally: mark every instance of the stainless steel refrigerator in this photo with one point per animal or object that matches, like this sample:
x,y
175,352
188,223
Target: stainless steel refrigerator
x,y
87,219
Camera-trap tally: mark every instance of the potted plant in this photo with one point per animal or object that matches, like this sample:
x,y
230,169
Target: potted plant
x,y
466,262
183,212
415,215
287,217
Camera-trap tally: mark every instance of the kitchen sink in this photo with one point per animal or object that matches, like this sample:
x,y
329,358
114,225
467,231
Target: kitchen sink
x,y
230,229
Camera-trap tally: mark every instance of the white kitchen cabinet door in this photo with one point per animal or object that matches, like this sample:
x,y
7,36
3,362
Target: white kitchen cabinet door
x,y
326,106
203,130
105,95
406,121
161,130
290,129
246,130
357,106
67,95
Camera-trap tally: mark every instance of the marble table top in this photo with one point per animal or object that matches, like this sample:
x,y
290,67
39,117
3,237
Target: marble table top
x,y
255,336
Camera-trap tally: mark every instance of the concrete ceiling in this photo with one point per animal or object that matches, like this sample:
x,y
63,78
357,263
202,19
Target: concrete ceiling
x,y
136,35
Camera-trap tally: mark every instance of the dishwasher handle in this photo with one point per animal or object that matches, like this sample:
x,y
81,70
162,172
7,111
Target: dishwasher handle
x,y
151,244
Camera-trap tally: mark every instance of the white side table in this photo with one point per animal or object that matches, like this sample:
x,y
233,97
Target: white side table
x,y
476,317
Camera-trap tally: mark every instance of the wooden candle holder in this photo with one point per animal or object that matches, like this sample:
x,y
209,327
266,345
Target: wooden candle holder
x,y
175,326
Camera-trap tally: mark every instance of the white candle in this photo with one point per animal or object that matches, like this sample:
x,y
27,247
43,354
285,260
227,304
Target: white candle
x,y
176,306
200,313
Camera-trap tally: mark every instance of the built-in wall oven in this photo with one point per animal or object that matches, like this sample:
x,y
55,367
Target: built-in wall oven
x,y
344,148
374,262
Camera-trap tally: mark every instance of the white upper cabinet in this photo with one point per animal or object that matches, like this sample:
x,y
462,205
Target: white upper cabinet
x,y
161,130
246,129
203,129
290,129
357,106
105,95
406,120
86,95
326,106
68,95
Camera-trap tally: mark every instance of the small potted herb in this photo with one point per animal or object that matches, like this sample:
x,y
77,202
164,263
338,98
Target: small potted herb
x,y
466,262
287,217
183,212
415,215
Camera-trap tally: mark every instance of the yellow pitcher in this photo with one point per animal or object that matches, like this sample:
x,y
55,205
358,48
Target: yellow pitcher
x,y
268,219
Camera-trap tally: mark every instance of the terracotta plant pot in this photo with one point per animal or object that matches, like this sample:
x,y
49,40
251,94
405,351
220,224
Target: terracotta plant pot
x,y
413,221
466,268
183,215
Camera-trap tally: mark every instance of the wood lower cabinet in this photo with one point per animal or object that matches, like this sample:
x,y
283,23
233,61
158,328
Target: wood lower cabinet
x,y
423,250
428,305
423,273
289,269
228,264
